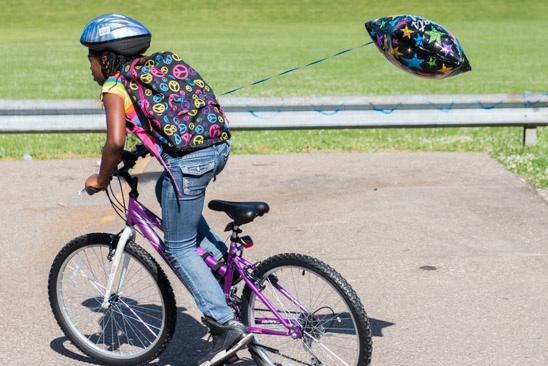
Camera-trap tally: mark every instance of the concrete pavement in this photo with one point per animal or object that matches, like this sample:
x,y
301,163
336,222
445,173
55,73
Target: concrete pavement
x,y
448,251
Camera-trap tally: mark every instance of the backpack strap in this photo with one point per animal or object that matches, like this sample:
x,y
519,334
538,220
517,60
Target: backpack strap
x,y
151,146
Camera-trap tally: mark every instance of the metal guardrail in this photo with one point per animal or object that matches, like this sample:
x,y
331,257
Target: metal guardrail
x,y
398,111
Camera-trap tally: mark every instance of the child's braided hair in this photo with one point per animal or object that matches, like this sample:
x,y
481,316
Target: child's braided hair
x,y
111,62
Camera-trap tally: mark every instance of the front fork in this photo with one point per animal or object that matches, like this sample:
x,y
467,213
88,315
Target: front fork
x,y
127,234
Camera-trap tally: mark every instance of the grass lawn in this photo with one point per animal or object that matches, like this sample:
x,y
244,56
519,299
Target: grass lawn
x,y
234,43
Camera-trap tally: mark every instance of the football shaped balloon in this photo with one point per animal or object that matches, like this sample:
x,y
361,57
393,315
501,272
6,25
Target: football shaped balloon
x,y
418,46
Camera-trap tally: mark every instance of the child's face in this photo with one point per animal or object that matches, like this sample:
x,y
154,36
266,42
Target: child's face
x,y
95,67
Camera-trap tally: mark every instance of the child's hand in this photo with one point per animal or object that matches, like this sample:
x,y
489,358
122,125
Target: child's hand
x,y
93,185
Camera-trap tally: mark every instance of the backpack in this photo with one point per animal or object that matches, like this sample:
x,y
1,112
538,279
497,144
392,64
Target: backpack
x,y
180,108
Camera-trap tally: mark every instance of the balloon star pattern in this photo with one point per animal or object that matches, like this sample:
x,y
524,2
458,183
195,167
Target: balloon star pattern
x,y
418,46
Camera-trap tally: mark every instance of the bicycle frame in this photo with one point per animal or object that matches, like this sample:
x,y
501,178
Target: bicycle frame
x,y
139,218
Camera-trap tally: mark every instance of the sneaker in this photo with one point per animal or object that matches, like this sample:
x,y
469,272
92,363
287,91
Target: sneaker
x,y
228,338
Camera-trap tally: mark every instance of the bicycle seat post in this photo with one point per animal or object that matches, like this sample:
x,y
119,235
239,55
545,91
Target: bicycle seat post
x,y
236,231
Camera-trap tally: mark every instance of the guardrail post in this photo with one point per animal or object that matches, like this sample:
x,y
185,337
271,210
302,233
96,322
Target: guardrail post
x,y
529,135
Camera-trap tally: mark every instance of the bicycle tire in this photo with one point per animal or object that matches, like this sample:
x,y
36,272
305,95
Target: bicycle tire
x,y
139,323
335,332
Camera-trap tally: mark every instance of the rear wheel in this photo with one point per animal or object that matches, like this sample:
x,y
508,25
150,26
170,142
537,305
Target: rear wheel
x,y
139,321
333,325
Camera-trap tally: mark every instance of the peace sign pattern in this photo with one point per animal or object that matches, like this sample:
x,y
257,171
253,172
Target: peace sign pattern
x,y
180,107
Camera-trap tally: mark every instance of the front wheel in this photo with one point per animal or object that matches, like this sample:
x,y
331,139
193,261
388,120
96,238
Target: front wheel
x,y
139,321
332,325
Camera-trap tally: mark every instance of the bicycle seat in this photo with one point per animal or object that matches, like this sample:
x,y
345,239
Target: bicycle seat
x,y
240,212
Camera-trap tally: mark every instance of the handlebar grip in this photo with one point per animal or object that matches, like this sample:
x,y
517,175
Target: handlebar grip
x,y
91,190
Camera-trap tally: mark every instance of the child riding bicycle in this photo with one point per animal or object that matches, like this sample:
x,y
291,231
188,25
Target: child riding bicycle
x,y
184,126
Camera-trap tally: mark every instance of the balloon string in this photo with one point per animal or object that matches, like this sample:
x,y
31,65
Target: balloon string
x,y
297,68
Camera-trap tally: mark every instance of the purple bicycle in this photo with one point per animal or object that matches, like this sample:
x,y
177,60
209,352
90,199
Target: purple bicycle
x,y
114,302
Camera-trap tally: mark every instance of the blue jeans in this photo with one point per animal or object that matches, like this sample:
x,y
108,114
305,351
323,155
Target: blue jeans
x,y
185,227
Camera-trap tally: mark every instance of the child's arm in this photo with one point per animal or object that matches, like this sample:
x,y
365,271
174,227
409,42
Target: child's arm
x,y
114,145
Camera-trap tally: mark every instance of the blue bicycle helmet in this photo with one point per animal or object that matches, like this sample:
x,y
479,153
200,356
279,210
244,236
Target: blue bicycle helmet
x,y
117,33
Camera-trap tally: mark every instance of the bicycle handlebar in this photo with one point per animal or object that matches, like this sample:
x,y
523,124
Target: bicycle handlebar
x,y
128,159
